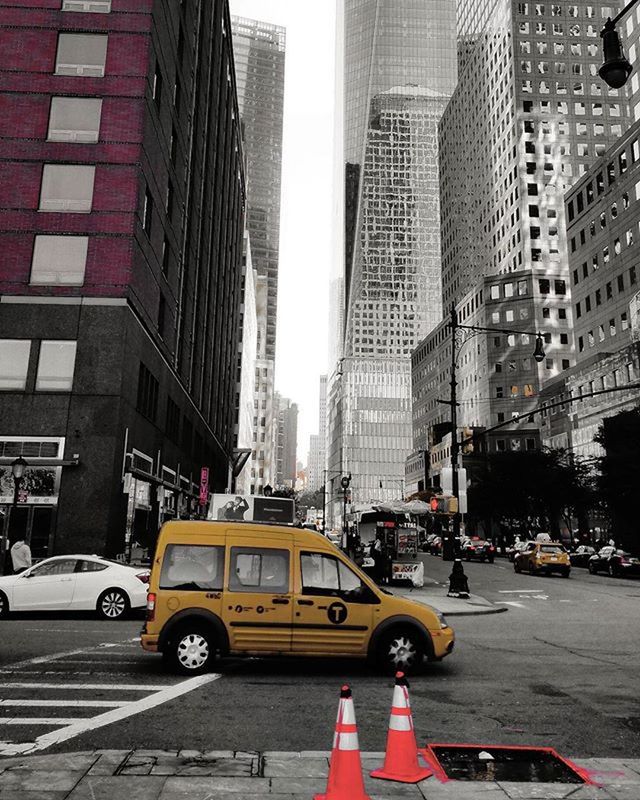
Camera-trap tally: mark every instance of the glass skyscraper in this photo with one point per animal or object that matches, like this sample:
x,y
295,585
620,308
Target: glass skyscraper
x,y
259,54
399,70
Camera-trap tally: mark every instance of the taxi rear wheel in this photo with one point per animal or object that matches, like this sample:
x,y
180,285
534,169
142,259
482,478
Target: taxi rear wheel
x,y
4,605
401,649
192,651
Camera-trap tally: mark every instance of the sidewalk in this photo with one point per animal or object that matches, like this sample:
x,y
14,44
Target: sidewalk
x,y
435,594
224,775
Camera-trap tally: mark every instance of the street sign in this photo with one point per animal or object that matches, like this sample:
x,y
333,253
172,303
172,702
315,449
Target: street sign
x,y
204,486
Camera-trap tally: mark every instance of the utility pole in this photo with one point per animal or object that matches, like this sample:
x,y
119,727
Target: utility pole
x,y
450,542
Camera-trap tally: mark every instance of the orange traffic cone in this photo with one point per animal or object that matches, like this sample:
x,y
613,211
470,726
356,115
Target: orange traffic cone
x,y
401,757
345,780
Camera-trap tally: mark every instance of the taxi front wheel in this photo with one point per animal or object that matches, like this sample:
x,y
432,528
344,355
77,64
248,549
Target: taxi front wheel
x,y
192,651
401,649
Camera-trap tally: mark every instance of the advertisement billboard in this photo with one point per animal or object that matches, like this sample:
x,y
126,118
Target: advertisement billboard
x,y
252,508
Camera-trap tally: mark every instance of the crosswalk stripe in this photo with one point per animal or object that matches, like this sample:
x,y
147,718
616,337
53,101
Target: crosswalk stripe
x,y
74,687
65,703
38,721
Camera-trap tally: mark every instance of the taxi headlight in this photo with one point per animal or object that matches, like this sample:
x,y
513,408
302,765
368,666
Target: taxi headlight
x,y
441,619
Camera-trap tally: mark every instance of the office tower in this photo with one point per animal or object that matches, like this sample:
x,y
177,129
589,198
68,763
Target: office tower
x,y
122,183
259,52
399,70
527,119
286,441
317,442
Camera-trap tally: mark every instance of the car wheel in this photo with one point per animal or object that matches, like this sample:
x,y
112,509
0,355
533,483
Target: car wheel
x,y
516,566
566,573
491,560
113,604
532,569
591,568
613,571
192,650
4,605
467,558
401,649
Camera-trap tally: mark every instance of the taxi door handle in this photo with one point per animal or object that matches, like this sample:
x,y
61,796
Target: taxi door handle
x,y
305,602
280,601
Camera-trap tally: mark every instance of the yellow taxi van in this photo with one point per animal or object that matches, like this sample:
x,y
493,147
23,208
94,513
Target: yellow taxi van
x,y
225,588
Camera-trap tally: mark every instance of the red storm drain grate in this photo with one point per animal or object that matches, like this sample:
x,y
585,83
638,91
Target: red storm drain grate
x,y
462,762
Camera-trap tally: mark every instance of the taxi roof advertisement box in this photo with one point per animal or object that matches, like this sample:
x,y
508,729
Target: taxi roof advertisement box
x,y
252,508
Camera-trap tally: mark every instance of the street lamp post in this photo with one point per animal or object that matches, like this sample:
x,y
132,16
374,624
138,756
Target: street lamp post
x,y
17,470
345,482
325,473
615,69
449,543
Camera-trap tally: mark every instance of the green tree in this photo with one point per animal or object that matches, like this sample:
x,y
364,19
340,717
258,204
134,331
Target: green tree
x,y
619,477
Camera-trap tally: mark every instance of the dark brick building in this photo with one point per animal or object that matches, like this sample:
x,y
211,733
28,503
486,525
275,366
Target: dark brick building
x,y
121,217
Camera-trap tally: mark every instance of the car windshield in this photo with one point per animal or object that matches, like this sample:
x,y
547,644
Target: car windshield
x,y
552,548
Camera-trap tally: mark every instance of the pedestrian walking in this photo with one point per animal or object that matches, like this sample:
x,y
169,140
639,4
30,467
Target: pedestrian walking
x,y
20,556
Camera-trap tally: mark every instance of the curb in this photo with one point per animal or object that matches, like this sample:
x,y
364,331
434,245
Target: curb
x,y
476,613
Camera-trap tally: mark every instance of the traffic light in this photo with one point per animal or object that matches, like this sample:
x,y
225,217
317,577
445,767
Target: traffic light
x,y
444,504
467,447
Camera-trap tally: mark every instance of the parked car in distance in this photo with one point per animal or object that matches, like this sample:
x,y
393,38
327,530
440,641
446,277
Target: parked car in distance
x,y
435,548
581,555
426,545
616,562
76,583
477,549
517,547
547,557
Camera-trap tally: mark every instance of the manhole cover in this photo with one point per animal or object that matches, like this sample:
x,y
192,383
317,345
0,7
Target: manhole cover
x,y
497,763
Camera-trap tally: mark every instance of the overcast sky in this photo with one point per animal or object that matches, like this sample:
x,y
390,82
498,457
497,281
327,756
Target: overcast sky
x,y
306,218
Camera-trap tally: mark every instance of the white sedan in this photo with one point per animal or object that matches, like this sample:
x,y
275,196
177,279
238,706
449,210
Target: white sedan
x,y
76,583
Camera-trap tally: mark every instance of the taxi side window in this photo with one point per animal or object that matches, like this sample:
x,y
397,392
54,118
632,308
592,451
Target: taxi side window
x,y
259,569
192,568
327,575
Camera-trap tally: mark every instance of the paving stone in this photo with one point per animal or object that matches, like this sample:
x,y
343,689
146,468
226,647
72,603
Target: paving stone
x,y
109,761
460,790
117,787
590,793
39,781
228,767
190,754
537,791
155,754
280,754
387,788
609,770
623,791
20,794
75,762
632,763
296,767
201,788
315,753
308,786
218,754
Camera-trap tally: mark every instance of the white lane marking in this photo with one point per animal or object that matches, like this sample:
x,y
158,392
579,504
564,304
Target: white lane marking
x,y
57,656
64,703
515,591
74,687
37,721
565,601
510,603
80,726
540,596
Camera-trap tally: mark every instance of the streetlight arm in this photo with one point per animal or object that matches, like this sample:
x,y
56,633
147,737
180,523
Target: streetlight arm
x,y
624,11
502,330
566,401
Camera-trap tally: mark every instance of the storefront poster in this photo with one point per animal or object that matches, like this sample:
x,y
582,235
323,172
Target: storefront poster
x,y
39,483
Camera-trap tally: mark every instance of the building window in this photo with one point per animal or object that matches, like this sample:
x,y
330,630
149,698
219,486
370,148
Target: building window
x,y
147,402
147,212
81,54
59,260
544,286
67,188
14,364
157,86
56,366
88,6
580,344
74,119
172,426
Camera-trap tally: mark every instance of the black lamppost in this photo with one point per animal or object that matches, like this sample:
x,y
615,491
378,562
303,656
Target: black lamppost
x,y
345,482
448,548
615,69
17,470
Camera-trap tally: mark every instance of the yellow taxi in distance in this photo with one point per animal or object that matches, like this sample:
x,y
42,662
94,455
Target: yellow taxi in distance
x,y
220,588
543,557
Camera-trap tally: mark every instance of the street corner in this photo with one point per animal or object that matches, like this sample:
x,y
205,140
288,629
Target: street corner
x,y
452,606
